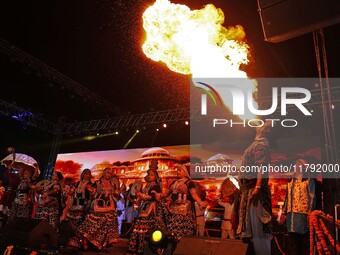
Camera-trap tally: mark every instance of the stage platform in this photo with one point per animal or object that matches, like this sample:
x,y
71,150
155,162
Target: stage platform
x,y
119,248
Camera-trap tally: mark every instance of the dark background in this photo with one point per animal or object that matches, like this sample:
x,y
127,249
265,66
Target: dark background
x,y
98,44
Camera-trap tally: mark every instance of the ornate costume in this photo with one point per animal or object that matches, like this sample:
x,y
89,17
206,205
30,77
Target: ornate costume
x,y
181,219
150,216
255,214
48,204
23,202
182,195
9,194
79,203
299,202
100,226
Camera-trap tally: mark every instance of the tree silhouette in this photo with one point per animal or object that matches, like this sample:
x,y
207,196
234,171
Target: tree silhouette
x,y
68,167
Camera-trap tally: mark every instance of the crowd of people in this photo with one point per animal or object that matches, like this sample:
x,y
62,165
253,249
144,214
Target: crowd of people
x,y
96,210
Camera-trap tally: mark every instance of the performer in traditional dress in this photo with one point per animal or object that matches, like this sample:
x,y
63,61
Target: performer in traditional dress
x,y
78,202
48,204
299,203
13,182
24,198
151,213
100,226
181,197
255,210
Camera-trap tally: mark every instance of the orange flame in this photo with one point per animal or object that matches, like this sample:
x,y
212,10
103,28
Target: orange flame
x,y
194,42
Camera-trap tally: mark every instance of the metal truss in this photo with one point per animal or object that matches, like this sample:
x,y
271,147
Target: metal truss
x,y
173,115
53,75
28,118
135,120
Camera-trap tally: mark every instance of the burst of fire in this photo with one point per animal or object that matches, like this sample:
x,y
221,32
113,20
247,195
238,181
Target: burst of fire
x,y
195,42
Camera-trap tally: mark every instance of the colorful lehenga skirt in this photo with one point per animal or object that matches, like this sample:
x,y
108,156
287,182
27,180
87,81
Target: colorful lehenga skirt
x,y
21,207
142,226
49,212
181,225
99,228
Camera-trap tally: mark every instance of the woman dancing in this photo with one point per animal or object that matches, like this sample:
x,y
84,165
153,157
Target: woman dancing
x,y
78,202
24,198
181,197
100,226
49,206
150,211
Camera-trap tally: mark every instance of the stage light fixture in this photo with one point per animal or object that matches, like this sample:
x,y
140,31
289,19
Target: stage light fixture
x,y
137,131
159,241
157,129
116,133
186,122
165,125
157,236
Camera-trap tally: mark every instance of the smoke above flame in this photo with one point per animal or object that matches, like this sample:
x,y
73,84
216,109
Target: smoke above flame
x,y
194,42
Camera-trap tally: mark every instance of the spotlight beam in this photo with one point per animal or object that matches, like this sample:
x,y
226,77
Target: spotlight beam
x,y
130,140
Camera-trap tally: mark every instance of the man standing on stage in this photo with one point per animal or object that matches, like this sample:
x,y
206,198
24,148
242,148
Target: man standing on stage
x,y
255,210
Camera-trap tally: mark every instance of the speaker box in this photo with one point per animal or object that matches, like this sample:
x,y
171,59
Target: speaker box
x,y
216,246
285,19
29,233
66,231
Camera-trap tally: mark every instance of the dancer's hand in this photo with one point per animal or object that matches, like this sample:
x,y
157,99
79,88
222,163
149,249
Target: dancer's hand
x,y
203,204
283,218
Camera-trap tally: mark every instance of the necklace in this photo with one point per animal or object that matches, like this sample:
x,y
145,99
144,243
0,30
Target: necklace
x,y
82,186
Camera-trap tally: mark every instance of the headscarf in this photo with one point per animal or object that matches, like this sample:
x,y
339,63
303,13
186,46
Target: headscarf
x,y
158,180
153,167
183,168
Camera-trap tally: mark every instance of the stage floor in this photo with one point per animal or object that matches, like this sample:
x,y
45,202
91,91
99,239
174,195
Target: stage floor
x,y
119,248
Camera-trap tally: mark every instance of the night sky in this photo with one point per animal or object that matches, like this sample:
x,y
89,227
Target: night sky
x,y
98,44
